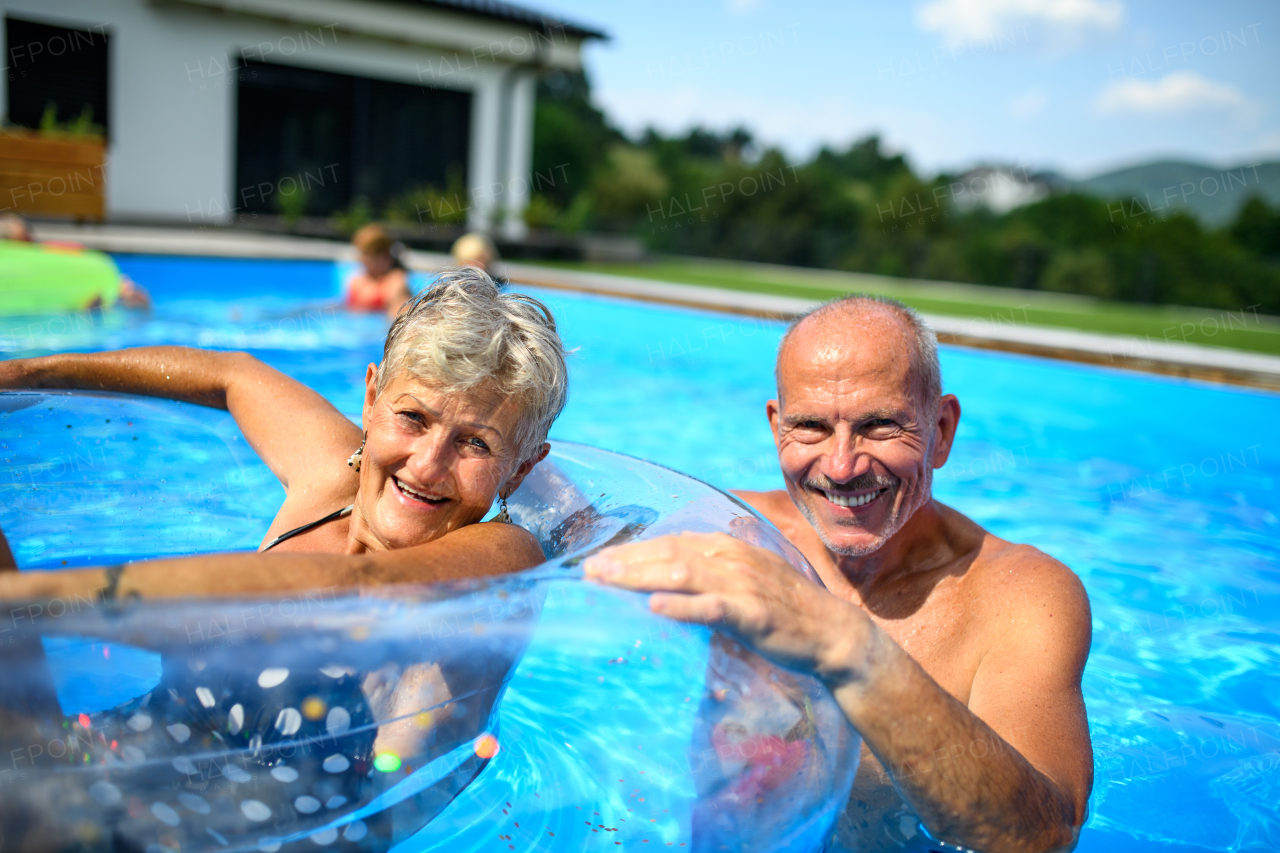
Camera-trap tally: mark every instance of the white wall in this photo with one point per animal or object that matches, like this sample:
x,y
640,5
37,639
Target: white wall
x,y
173,84
517,162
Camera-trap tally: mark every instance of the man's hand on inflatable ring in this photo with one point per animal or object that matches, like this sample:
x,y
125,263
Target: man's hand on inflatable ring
x,y
750,592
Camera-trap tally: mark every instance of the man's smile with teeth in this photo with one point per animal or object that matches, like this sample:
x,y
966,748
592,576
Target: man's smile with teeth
x,y
415,494
850,500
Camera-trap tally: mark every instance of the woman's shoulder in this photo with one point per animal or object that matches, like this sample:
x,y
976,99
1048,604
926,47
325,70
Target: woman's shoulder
x,y
525,547
476,550
479,550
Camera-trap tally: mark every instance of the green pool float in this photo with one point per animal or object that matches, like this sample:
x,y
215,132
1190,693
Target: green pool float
x,y
36,278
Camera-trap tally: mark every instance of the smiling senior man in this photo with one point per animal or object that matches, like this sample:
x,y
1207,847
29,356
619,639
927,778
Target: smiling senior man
x,y
956,655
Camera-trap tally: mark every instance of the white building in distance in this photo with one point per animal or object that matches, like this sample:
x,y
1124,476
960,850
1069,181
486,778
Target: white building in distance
x,y
999,189
217,109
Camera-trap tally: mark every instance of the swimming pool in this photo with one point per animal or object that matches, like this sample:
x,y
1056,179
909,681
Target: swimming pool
x,y
1160,493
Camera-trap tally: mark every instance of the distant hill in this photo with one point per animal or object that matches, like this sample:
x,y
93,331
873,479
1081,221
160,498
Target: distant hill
x,y
1213,196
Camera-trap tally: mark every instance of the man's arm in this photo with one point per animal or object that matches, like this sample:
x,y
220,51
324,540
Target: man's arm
x,y
287,424
477,550
962,775
1012,770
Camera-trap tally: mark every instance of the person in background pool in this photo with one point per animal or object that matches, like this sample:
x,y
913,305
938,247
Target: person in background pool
x,y
384,284
14,227
475,249
132,295
955,654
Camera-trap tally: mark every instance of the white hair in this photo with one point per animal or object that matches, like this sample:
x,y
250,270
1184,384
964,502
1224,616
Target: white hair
x,y
924,361
462,332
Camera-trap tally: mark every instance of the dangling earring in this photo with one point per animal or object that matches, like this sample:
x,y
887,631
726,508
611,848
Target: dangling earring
x,y
354,461
503,515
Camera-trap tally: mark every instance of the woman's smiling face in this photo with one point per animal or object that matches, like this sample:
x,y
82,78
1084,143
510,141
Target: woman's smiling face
x,y
433,461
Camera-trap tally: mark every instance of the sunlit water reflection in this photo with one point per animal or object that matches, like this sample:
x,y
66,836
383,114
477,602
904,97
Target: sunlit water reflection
x,y
1160,493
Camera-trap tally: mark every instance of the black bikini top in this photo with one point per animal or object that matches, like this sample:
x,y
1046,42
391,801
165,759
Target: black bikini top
x,y
342,513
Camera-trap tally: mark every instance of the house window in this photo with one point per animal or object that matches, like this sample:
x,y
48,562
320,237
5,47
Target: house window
x,y
58,69
341,138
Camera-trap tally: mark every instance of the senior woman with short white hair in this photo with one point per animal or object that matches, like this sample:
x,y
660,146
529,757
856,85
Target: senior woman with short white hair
x,y
455,416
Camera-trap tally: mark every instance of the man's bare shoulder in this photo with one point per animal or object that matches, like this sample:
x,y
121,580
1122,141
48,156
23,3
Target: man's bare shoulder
x,y
778,508
1024,589
1007,576
769,504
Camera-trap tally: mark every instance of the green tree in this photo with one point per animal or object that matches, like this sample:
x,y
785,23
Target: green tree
x,y
1086,271
862,208
1257,228
571,137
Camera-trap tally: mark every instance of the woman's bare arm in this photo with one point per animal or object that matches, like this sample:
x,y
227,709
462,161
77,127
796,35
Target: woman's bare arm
x,y
291,427
478,550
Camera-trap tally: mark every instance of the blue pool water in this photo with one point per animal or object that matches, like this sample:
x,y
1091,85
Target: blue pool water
x,y
1160,493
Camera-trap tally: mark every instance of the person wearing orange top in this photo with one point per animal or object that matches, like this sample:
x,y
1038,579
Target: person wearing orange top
x,y
384,283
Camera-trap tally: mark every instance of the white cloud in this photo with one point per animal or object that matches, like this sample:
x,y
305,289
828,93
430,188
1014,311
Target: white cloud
x,y
743,7
1269,143
1179,92
1029,104
1059,24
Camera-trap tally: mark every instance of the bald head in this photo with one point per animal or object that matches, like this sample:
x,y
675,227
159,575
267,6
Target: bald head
x,y
862,320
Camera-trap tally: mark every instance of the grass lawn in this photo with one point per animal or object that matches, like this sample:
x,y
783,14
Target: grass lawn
x,y
1239,329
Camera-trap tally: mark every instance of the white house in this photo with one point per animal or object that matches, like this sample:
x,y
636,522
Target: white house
x,y
216,108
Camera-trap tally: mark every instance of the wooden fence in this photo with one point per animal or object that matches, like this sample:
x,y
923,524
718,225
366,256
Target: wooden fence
x,y
52,176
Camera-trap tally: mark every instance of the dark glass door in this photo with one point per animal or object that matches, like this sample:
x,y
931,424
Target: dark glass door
x,y
51,65
341,137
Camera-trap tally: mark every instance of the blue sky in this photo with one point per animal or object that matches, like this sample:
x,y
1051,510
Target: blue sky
x,y
1081,86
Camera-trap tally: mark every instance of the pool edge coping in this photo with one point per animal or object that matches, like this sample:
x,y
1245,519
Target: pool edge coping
x,y
1188,361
